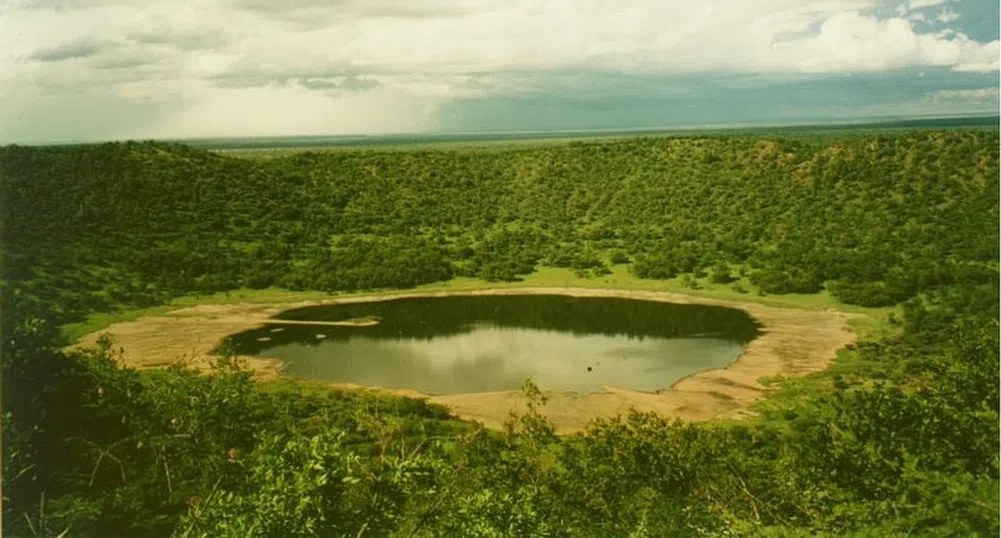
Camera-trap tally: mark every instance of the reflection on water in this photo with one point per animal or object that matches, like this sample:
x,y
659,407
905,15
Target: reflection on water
x,y
476,344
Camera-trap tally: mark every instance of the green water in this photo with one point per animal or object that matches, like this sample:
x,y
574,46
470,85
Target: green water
x,y
455,345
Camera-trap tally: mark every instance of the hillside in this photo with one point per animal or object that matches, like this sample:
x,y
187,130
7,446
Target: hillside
x,y
899,437
875,220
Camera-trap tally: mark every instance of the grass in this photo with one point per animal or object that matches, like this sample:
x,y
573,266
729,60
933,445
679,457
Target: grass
x,y
620,279
100,320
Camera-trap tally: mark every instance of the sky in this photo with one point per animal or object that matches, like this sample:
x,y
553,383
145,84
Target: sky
x,y
88,70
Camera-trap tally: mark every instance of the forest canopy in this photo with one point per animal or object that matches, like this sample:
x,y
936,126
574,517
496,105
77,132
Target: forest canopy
x,y
874,220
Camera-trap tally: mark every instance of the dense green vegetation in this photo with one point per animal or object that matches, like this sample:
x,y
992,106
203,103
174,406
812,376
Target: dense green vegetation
x,y
876,220
905,444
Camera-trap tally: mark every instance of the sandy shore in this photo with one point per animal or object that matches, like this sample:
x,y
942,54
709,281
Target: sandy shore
x,y
793,343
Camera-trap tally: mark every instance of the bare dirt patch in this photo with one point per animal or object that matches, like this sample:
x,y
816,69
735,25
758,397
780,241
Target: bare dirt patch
x,y
793,343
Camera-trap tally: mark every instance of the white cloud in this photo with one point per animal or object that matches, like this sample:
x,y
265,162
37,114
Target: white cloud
x,y
947,16
854,42
921,4
363,55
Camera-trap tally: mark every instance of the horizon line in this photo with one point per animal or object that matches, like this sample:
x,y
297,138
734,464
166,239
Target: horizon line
x,y
858,121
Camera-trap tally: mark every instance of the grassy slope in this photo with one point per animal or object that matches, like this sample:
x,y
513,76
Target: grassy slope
x,y
620,279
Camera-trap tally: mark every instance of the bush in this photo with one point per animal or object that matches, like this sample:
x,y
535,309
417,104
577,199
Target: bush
x,y
871,294
295,487
493,272
690,282
792,281
720,274
619,257
655,267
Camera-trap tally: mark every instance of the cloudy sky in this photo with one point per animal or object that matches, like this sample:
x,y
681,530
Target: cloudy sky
x,y
74,70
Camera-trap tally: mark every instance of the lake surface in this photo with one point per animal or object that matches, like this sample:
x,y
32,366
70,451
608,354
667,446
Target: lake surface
x,y
456,345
